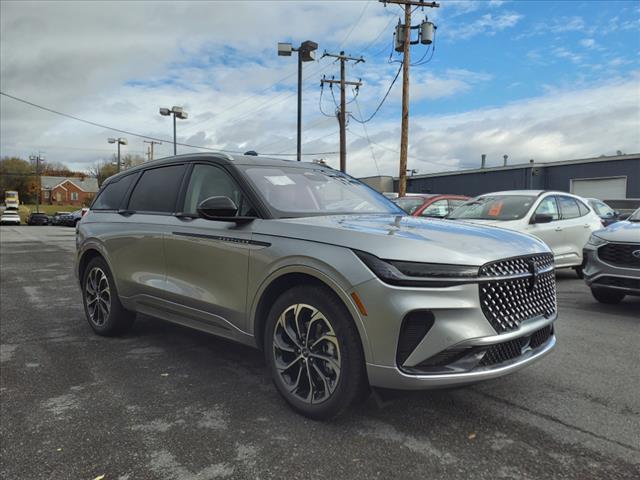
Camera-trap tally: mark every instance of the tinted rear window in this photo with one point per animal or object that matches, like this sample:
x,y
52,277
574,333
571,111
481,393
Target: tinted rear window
x,y
157,190
111,196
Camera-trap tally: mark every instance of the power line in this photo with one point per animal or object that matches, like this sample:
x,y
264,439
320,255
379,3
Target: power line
x,y
134,134
381,102
364,126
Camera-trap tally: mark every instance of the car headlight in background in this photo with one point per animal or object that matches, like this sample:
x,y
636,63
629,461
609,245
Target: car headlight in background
x,y
596,241
415,274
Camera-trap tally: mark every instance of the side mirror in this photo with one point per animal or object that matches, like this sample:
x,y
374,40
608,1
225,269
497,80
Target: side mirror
x,y
221,209
541,218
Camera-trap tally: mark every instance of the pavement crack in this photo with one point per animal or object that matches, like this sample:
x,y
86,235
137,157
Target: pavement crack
x,y
551,418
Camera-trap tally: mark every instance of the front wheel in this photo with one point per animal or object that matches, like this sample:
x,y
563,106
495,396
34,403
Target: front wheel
x,y
607,296
313,351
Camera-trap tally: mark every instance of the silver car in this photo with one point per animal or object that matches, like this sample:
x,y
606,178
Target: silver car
x,y
612,256
339,287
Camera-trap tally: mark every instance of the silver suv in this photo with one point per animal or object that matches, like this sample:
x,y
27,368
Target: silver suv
x,y
339,287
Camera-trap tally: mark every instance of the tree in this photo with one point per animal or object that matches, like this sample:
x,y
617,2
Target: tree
x,y
17,174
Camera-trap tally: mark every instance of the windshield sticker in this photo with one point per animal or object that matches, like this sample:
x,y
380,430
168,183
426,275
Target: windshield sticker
x,y
495,209
280,180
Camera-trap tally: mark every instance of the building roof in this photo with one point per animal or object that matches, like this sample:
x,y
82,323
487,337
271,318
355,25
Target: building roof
x,y
611,158
88,184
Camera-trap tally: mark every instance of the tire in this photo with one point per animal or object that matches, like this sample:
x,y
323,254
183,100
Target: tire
x,y
607,296
579,272
102,307
292,357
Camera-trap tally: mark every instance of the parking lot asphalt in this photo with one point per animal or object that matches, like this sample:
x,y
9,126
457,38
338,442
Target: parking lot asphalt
x,y
165,402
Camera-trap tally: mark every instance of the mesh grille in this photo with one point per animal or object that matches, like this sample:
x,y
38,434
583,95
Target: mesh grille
x,y
503,352
620,254
508,302
515,266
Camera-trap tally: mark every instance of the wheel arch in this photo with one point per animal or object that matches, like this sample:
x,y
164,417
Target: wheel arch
x,y
285,278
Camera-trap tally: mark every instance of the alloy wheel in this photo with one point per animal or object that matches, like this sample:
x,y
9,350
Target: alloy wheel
x,y
306,353
98,296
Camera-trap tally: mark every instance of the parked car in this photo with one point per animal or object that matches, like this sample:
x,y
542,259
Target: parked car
x,y
612,267
71,219
607,214
57,219
430,204
339,287
38,218
10,217
561,220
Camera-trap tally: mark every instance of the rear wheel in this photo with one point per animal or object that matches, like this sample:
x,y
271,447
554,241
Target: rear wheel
x,y
314,353
607,296
102,307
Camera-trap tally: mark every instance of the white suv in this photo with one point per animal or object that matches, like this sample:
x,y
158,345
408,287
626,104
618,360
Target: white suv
x,y
563,221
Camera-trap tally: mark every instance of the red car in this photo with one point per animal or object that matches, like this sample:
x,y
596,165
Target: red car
x,y
430,204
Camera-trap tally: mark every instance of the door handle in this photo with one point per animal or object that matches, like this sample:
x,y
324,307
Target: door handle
x,y
586,225
558,229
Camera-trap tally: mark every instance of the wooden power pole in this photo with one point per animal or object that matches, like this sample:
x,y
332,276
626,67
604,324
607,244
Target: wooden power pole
x,y
404,135
150,151
342,114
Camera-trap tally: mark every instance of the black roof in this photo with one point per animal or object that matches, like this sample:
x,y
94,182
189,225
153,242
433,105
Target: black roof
x,y
219,158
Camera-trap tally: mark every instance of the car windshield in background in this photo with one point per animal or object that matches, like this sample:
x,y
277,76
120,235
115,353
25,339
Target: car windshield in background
x,y
601,208
635,216
409,205
300,192
495,207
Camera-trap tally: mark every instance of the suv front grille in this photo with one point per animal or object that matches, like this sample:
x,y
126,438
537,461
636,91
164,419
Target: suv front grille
x,y
503,352
620,254
517,289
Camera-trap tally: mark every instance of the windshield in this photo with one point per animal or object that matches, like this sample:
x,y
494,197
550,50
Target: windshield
x,y
300,192
495,207
635,216
409,204
601,208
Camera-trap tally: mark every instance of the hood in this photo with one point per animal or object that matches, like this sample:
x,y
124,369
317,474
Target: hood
x,y
396,237
627,232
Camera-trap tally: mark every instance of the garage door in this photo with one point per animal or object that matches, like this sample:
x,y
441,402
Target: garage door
x,y
602,188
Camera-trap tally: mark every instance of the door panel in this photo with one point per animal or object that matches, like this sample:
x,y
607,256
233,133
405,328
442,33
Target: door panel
x,y
550,233
208,261
575,232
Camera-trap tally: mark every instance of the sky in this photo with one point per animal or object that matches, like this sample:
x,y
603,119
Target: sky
x,y
540,80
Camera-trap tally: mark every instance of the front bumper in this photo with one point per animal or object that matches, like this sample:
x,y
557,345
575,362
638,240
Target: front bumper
x,y
602,275
460,335
394,378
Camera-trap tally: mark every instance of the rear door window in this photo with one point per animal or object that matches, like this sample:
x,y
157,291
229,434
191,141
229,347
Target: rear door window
x,y
157,190
112,195
568,207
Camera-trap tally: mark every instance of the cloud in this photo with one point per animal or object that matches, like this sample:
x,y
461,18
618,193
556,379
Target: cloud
x,y
487,24
559,125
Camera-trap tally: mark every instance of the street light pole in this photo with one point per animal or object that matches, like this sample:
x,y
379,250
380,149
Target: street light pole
x,y
177,112
306,53
119,141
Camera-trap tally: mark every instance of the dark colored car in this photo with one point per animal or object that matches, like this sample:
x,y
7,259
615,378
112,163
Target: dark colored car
x,y
38,218
430,205
607,214
57,219
71,219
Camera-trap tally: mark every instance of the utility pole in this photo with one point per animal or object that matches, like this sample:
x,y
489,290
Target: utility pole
x,y
342,114
150,150
405,30
37,159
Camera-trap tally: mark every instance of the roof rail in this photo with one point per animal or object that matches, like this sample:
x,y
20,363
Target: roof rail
x,y
225,155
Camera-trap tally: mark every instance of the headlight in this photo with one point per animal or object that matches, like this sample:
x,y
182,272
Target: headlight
x,y
414,274
596,241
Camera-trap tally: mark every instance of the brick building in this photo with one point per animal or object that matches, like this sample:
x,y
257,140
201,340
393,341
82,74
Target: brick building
x,y
67,190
